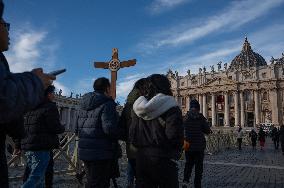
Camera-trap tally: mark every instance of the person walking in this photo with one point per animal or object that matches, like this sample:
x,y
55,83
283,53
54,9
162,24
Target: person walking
x,y
157,133
98,131
281,136
240,135
125,121
261,138
275,137
253,137
195,127
42,126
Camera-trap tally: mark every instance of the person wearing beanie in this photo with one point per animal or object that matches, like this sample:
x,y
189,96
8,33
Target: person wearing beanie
x,y
195,127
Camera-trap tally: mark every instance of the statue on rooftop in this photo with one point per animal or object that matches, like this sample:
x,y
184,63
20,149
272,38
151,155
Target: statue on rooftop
x,y
272,60
204,69
225,66
212,68
176,73
200,70
71,95
188,72
60,92
219,65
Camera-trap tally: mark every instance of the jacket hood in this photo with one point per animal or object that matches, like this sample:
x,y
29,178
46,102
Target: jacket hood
x,y
153,108
192,114
93,100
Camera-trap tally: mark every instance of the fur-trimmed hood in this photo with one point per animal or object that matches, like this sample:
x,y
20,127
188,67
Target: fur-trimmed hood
x,y
155,107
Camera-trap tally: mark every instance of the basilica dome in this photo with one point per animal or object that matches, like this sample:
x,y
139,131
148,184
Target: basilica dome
x,y
247,58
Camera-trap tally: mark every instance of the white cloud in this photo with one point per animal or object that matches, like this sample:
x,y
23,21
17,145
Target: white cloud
x,y
84,85
235,15
159,6
125,86
65,90
29,49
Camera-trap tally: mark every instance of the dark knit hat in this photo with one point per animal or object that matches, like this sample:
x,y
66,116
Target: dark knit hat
x,y
1,9
194,104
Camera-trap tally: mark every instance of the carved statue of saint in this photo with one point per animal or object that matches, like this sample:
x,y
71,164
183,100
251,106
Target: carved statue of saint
x,y
200,70
212,68
170,71
188,72
225,66
204,69
71,95
219,65
272,60
60,92
176,73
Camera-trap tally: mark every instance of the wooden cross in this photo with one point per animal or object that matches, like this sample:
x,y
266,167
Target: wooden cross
x,y
114,65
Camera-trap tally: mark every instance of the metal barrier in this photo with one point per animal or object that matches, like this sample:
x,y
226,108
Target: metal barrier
x,y
219,141
68,151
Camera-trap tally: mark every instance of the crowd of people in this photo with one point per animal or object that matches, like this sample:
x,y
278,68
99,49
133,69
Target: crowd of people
x,y
153,128
151,125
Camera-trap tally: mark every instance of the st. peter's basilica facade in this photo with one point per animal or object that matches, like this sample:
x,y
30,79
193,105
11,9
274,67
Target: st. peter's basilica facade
x,y
248,92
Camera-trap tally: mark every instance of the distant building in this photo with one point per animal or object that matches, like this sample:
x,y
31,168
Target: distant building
x,y
247,92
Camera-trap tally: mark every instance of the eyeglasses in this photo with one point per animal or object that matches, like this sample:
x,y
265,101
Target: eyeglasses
x,y
6,25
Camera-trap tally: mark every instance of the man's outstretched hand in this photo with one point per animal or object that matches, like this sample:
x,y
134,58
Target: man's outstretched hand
x,y
46,79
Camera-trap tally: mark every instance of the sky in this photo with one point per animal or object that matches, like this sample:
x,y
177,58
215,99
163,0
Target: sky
x,y
160,34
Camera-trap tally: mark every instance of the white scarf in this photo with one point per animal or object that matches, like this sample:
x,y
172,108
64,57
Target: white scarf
x,y
155,107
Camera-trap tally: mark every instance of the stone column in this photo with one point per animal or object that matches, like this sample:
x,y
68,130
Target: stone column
x,y
205,106
187,102
213,109
242,108
200,100
274,106
227,110
237,114
256,107
67,126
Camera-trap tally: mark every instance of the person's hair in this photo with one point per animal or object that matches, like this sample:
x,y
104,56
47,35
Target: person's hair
x,y
158,83
101,85
141,85
48,90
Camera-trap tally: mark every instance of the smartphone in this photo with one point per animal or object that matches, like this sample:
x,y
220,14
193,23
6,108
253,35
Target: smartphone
x,y
57,72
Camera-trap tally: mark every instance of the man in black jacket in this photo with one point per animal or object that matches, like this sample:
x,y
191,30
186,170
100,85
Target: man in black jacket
x,y
195,126
98,130
42,125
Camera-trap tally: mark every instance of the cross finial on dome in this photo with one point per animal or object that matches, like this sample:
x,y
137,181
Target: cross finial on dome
x,y
246,45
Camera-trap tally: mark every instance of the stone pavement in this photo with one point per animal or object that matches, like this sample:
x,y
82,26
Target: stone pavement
x,y
244,169
231,168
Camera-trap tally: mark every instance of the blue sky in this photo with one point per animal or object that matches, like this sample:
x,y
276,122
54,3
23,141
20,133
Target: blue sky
x,y
160,34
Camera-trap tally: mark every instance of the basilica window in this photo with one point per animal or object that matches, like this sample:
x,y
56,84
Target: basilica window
x,y
247,96
182,84
264,75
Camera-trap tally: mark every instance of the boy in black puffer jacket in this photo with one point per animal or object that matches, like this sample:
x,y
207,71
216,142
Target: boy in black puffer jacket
x,y
42,125
195,126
